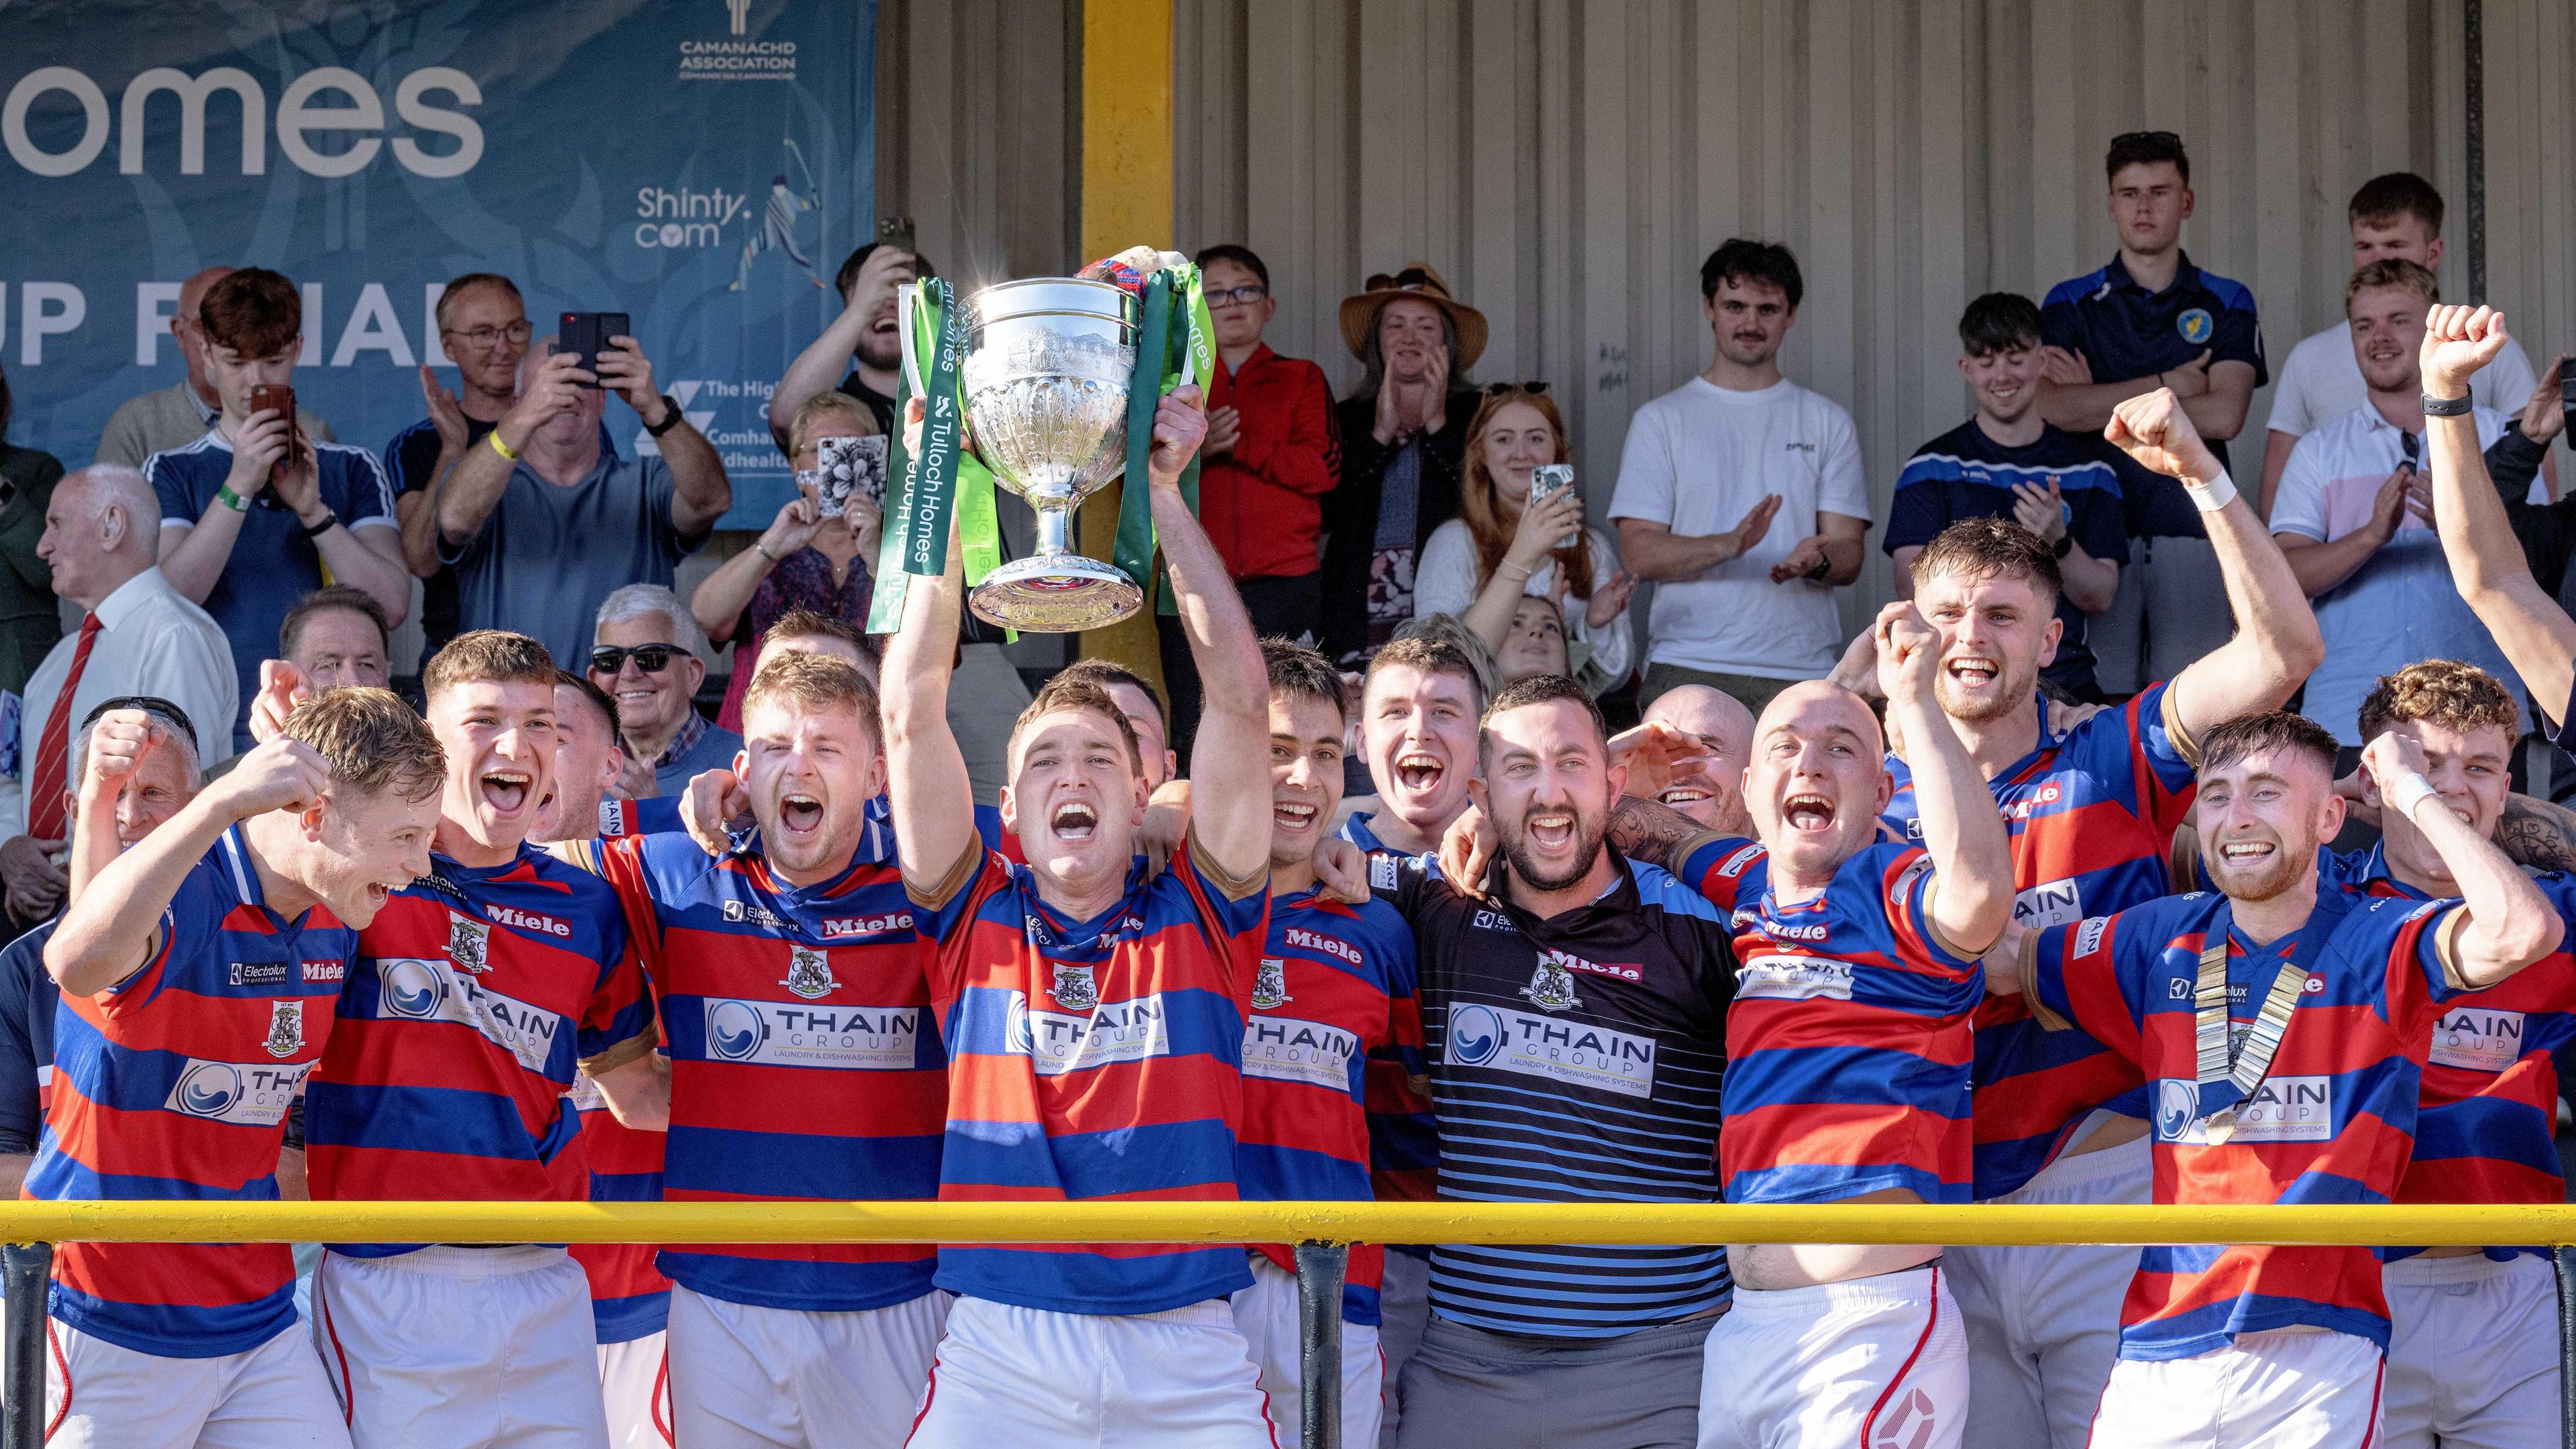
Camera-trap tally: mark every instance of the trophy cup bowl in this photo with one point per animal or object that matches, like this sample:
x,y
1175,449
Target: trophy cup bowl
x,y
1046,372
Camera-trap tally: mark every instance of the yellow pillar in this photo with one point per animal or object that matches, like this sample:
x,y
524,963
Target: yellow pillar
x,y
1126,199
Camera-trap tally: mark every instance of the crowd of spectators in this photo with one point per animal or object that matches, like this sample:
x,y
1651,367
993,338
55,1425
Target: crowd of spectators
x,y
1741,499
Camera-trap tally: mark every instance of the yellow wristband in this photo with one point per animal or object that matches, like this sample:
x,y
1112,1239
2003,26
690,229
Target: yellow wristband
x,y
502,448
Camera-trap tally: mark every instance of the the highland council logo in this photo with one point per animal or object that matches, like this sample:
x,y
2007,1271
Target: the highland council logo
x,y
737,56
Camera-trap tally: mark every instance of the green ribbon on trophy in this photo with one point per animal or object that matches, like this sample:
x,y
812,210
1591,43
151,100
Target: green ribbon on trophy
x,y
1176,344
947,481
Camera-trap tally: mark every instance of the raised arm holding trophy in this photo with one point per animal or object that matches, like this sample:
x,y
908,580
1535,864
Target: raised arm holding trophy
x,y
1048,387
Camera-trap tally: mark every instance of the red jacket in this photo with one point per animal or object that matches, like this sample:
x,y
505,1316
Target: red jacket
x,y
1259,502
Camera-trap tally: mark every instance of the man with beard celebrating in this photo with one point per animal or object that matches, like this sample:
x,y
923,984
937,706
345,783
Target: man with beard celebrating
x,y
2092,809
1574,1008
478,991
2282,1025
804,1065
1847,1072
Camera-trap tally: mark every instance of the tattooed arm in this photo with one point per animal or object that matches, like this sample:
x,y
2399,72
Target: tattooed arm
x,y
1661,836
2537,834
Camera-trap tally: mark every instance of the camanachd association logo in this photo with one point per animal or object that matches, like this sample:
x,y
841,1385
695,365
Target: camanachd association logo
x,y
735,55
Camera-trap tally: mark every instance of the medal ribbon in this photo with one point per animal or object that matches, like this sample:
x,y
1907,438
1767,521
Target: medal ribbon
x,y
2229,1069
1176,345
923,491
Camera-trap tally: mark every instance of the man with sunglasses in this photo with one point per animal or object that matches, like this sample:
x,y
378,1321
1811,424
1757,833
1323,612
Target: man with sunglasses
x,y
651,657
483,329
2151,319
2354,511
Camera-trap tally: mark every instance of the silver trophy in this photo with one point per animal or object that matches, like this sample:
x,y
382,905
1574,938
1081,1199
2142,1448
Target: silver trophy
x,y
1047,367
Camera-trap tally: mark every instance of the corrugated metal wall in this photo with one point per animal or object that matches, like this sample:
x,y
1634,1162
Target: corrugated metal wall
x,y
1568,164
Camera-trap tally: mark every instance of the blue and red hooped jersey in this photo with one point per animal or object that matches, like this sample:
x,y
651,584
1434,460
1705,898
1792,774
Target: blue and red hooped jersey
x,y
2486,1130
2332,1122
1847,1044
1097,1060
805,1062
629,1297
1336,983
175,1083
479,993
1404,1132
2092,811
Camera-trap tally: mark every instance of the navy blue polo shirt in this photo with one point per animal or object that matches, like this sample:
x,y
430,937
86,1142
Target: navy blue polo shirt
x,y
1965,474
2126,332
28,997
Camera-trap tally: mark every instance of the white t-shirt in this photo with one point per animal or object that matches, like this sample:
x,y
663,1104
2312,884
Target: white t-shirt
x,y
1697,460
2322,382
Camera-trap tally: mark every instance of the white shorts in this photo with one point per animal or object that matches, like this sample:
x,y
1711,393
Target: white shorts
x,y
753,1378
635,1389
100,1396
1267,1314
1028,1378
2281,1389
1876,1361
464,1348
1403,1307
2472,1353
2044,1322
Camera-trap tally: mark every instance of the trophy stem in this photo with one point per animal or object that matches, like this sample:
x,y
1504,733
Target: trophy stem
x,y
1054,530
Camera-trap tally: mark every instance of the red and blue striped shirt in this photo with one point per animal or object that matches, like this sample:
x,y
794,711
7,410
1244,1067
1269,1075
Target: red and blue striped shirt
x,y
629,1297
2332,1122
1336,983
1847,1045
479,993
1404,1133
2486,1130
805,1063
1097,1060
175,1083
2092,811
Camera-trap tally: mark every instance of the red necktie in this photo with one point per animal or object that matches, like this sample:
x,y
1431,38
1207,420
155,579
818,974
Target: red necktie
x,y
54,748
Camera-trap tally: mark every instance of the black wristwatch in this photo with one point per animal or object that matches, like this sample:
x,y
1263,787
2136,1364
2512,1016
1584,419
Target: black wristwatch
x,y
330,520
2065,545
2446,407
670,417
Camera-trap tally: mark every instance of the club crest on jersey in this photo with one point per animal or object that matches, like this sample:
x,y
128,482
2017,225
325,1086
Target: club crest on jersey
x,y
1073,989
1551,986
809,973
285,1029
469,944
1270,985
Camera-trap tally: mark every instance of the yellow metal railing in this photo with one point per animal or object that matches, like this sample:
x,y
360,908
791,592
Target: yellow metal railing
x,y
1270,1222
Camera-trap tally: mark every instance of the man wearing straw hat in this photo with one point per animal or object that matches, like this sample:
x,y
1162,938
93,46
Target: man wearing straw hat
x,y
1404,436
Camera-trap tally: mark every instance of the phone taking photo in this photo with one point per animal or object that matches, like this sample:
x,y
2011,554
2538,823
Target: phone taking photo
x,y
279,398
851,468
586,334
897,232
1548,480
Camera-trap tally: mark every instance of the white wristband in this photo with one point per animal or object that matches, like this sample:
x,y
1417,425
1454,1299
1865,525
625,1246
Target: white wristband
x,y
2409,791
2213,495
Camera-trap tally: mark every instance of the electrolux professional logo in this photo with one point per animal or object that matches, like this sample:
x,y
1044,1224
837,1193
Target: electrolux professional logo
x,y
737,56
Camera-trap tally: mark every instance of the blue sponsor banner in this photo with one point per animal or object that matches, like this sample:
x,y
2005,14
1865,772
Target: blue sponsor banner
x,y
701,165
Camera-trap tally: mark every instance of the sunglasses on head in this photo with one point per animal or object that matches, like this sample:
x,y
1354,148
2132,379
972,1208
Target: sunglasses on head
x,y
650,658
151,704
1533,386
1410,279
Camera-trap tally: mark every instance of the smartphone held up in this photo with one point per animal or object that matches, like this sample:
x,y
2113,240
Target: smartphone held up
x,y
1548,480
586,335
279,398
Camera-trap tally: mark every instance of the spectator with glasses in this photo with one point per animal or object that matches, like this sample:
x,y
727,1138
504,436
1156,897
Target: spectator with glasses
x,y
1481,565
177,415
651,657
1404,439
483,328
1271,453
